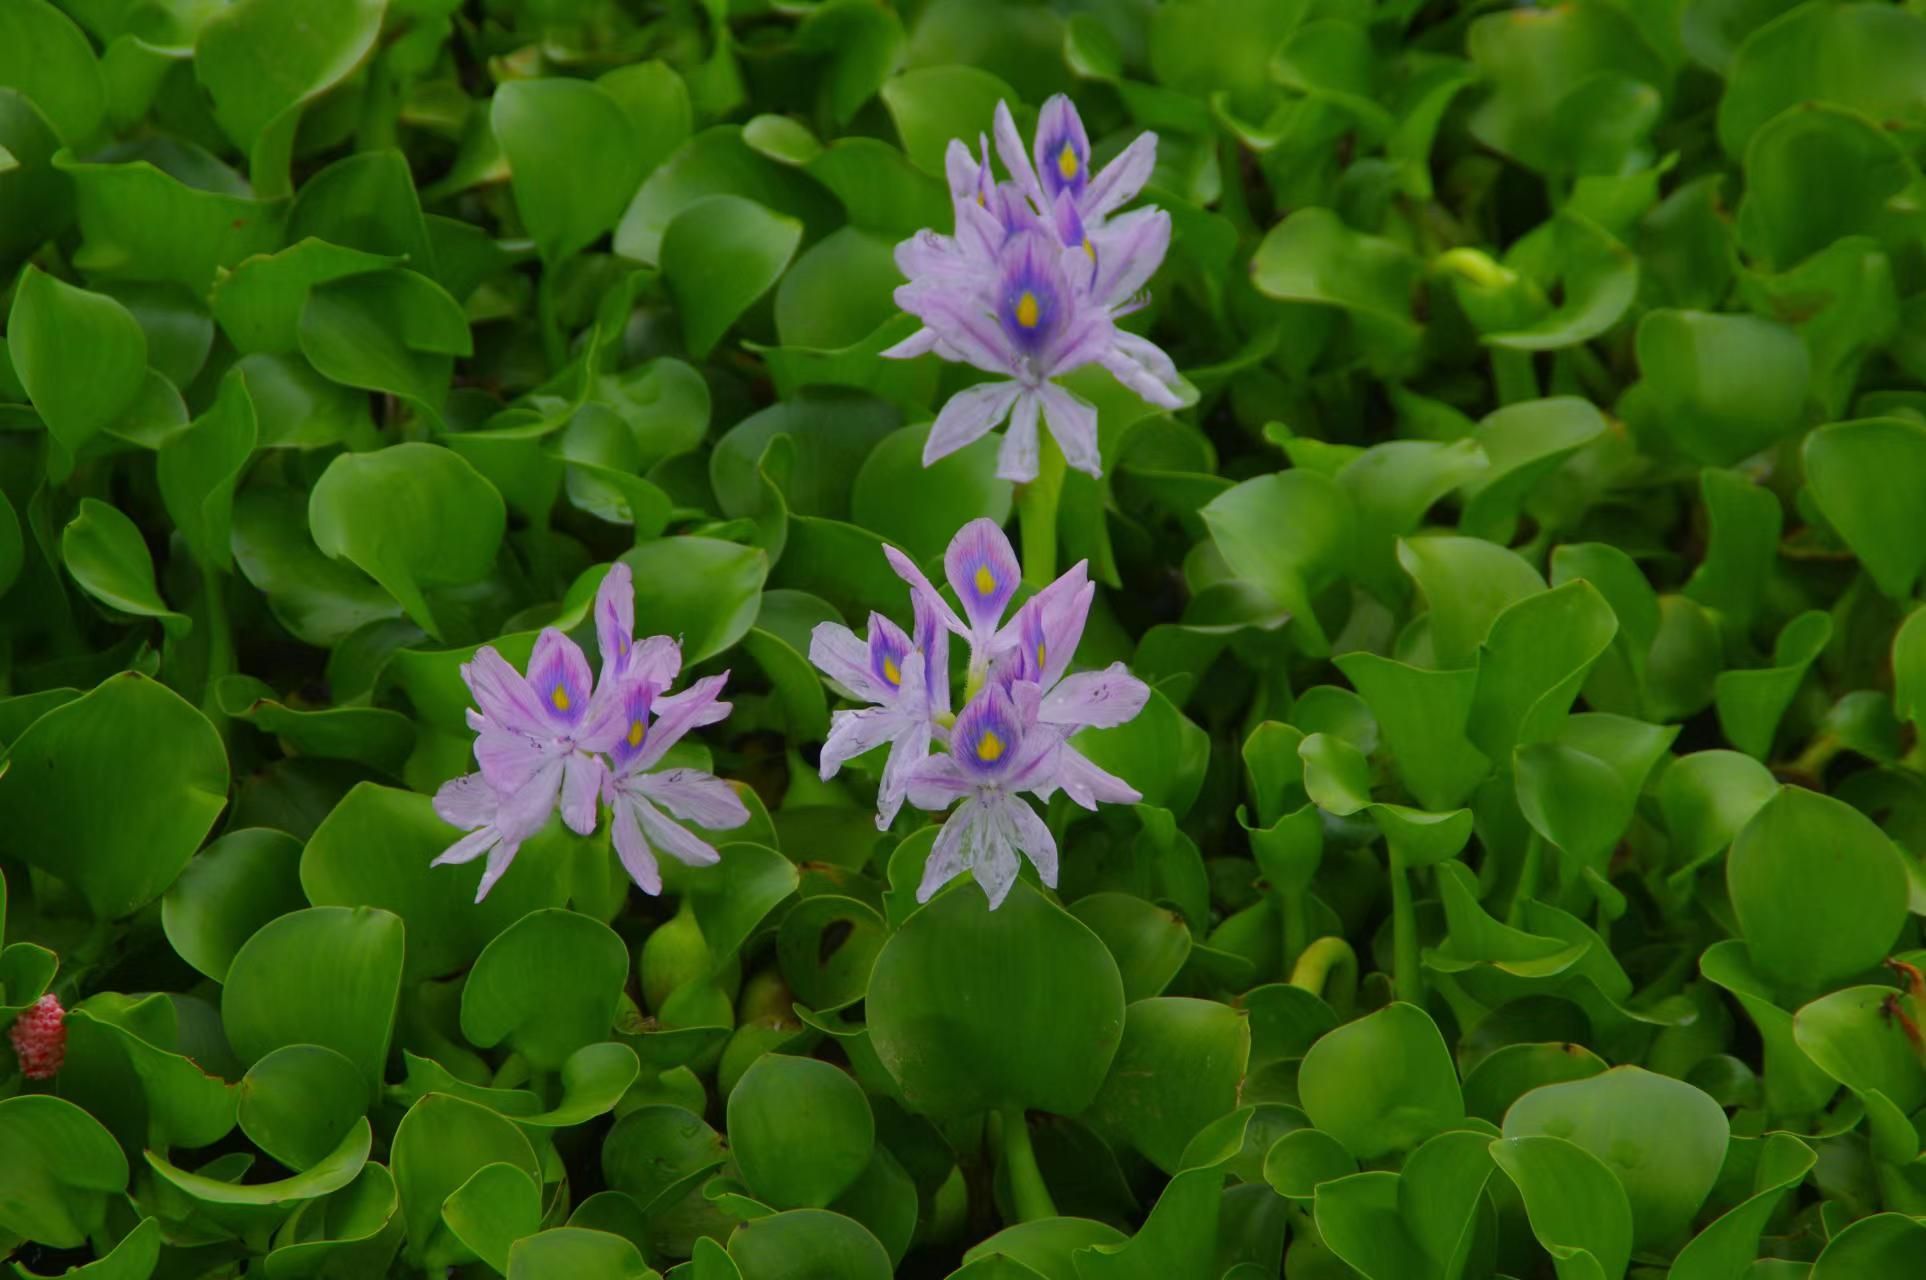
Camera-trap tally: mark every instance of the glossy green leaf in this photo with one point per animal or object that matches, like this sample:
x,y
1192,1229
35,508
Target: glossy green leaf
x,y
327,976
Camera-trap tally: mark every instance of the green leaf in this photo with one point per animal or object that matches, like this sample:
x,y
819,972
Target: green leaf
x,y
413,516
1751,703
47,58
1312,256
972,1010
1524,442
1467,582
237,884
140,222
199,466
134,741
705,591
1862,476
81,356
1664,1140
392,330
440,1144
1149,943
1819,891
546,985
1162,753
931,105
1865,57
1178,1067
1725,386
1289,534
105,553
262,63
340,1167
63,1166
1383,1083
545,128
1578,1209
300,1101
719,255
803,1243
497,1207
328,976
1707,797
374,848
801,1131
577,1252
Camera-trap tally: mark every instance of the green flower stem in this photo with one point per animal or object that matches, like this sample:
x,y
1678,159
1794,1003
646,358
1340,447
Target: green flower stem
x,y
1020,1158
1514,375
1328,968
1405,976
1037,515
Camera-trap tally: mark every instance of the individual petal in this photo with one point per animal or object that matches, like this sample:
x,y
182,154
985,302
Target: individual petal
x,y
920,343
467,802
524,810
938,782
1034,299
559,675
581,785
923,593
1073,425
1152,358
889,654
1087,784
962,170
947,856
657,660
1009,148
933,644
615,619
509,760
1130,371
994,859
500,858
852,733
632,849
1095,699
1121,179
1017,458
1128,253
469,847
983,571
965,325
677,715
1064,612
694,796
672,838
906,754
836,651
1031,837
502,694
1062,148
968,416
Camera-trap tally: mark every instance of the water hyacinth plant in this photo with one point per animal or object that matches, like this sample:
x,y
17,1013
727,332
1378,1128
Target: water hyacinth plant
x,y
962,640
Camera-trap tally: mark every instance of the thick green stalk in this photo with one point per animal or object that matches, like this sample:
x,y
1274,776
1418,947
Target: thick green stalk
x,y
1027,1188
1037,515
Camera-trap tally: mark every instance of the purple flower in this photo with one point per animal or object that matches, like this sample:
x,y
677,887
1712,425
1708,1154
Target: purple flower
x,y
542,739
894,674
1030,286
650,725
991,759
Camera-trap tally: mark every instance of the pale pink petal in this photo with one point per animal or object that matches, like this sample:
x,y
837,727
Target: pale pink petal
x,y
672,838
994,859
694,796
558,674
581,784
1088,785
923,593
502,694
615,618
841,655
1129,251
982,569
851,733
1073,425
469,847
499,860
1095,699
466,802
939,782
1121,179
632,849
658,660
1017,456
675,716
1032,838
968,416
1015,156
920,343
509,760
947,855
524,810
910,750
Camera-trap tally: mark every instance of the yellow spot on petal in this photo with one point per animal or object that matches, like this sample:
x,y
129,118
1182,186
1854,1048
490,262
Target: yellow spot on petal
x,y
1089,249
1041,650
559,698
636,730
985,580
892,672
989,747
1027,311
1067,162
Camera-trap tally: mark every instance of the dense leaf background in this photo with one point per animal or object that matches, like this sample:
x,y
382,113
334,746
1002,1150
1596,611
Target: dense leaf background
x,y
1532,790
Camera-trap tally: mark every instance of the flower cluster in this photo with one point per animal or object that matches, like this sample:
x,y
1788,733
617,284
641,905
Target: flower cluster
x,y
1020,709
1031,285
557,736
